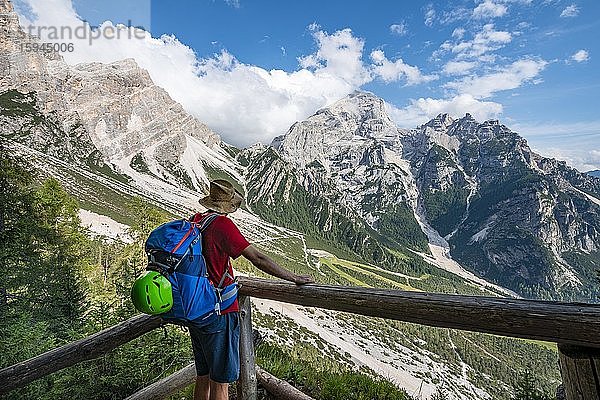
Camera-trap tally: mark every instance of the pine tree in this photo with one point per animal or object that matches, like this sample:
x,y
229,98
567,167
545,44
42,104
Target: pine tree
x,y
17,226
64,245
526,388
24,333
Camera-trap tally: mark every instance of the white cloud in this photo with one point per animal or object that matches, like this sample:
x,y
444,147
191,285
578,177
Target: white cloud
x,y
394,71
581,56
459,67
399,29
489,9
429,15
570,11
485,41
233,3
577,143
422,110
458,33
510,77
339,55
455,14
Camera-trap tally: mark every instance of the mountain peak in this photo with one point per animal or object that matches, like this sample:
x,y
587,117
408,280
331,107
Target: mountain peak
x,y
6,7
442,121
118,104
363,105
363,95
350,125
359,102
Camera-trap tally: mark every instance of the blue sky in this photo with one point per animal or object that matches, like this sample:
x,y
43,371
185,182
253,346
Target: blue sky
x,y
256,32
252,68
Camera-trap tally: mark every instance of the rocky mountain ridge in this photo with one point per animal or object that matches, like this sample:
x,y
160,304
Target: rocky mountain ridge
x,y
476,189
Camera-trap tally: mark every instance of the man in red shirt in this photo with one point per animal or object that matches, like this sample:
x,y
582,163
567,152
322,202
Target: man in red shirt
x,y
216,347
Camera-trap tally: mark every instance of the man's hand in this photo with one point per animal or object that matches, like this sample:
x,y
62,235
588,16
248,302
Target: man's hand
x,y
269,266
303,279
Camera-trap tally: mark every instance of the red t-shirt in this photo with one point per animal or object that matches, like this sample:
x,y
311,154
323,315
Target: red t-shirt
x,y
220,241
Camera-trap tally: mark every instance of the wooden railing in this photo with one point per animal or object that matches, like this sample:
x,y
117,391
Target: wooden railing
x,y
575,327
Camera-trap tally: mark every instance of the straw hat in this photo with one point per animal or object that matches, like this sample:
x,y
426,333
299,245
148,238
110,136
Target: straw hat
x,y
223,197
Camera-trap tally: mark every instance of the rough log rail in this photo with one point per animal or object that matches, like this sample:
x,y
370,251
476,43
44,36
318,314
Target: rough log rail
x,y
574,326
571,323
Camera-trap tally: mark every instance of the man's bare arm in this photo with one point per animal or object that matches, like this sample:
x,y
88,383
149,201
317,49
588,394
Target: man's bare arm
x,y
269,266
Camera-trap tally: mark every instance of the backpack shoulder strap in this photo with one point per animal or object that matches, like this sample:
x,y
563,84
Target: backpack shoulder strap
x,y
206,221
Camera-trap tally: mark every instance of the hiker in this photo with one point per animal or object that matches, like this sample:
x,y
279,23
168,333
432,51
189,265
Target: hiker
x,y
216,346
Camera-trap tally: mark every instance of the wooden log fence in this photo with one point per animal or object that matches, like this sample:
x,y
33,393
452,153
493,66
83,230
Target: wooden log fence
x,y
580,368
246,387
574,326
570,323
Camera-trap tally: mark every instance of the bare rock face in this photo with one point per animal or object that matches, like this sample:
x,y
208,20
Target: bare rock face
x,y
120,107
352,142
19,68
348,127
123,110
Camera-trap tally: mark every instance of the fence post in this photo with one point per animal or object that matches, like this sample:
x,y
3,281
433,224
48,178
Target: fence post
x,y
580,369
246,386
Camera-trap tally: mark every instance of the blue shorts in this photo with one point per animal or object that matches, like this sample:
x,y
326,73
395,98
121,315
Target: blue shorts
x,y
217,349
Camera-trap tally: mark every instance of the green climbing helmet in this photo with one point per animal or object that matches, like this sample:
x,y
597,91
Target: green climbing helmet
x,y
151,293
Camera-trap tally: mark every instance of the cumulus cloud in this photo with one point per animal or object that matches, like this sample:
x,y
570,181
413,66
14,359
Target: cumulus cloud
x,y
581,56
458,33
570,11
394,71
339,55
489,9
509,77
459,67
485,41
399,29
423,109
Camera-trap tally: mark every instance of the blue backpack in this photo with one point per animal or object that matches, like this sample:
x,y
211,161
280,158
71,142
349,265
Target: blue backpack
x,y
175,250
